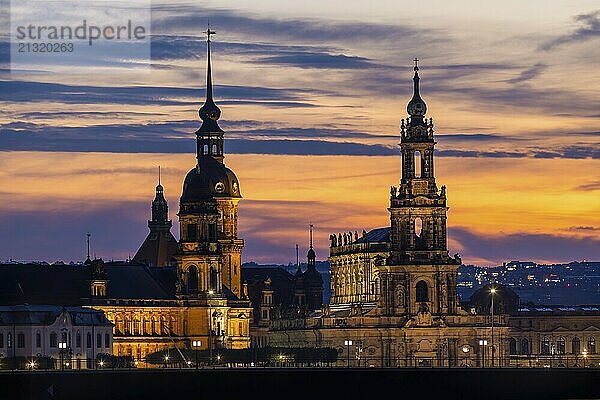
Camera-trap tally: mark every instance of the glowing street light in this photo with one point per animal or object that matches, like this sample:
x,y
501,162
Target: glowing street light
x,y
62,347
482,344
492,293
348,343
101,363
196,344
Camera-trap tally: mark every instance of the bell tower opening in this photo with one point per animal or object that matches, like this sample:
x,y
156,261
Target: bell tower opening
x,y
418,160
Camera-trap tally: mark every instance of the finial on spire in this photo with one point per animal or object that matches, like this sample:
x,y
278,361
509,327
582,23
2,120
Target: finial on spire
x,y
88,245
416,107
310,227
159,175
209,113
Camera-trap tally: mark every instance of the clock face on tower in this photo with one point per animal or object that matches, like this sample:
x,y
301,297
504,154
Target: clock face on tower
x,y
220,187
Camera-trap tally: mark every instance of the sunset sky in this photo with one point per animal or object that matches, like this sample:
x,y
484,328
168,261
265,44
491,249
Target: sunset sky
x,y
311,95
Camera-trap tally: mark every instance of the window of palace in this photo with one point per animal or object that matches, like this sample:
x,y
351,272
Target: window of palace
x,y
545,347
38,340
88,341
421,290
512,346
591,345
575,346
1,340
20,340
99,340
53,340
525,347
78,339
560,345
106,340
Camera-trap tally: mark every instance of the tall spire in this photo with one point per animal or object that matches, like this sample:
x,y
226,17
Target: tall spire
x,y
160,209
88,245
209,113
311,256
416,106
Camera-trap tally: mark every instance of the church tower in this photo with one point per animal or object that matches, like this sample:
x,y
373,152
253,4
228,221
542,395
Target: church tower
x,y
209,256
419,277
313,281
160,245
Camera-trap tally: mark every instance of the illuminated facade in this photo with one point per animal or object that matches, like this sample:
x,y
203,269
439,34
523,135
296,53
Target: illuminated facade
x,y
394,289
171,294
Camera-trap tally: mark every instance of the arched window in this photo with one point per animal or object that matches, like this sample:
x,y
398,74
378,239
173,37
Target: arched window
x,y
575,346
192,279
88,340
21,340
78,339
214,149
99,340
106,340
512,346
545,347
213,278
53,340
205,151
525,347
418,164
418,227
591,345
560,345
422,291
38,340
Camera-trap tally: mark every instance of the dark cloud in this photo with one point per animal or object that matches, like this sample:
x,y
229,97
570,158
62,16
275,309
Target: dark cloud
x,y
249,137
318,60
584,228
589,29
530,73
525,246
595,185
177,18
30,92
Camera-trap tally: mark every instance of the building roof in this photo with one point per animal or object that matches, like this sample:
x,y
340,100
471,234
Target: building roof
x,y
70,284
375,235
157,250
26,314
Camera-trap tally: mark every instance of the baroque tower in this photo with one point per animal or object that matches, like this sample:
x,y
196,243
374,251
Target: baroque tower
x,y
419,277
209,256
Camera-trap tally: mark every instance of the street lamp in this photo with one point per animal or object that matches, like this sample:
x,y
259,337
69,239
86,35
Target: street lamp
x,y
492,293
166,361
584,353
483,343
32,365
101,363
62,347
196,344
348,343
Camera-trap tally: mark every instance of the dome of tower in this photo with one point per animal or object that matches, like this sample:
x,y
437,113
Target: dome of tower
x,y
211,179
